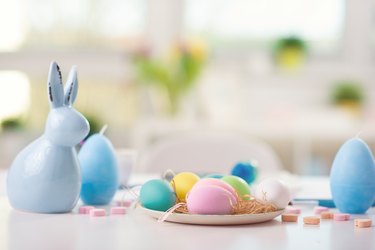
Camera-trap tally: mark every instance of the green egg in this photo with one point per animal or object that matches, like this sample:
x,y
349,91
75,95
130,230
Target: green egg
x,y
157,195
239,184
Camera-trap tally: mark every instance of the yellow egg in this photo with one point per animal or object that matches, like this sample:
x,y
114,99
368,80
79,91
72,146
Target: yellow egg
x,y
182,183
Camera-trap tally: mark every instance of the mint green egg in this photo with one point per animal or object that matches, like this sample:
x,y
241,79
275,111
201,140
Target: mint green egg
x,y
239,184
157,195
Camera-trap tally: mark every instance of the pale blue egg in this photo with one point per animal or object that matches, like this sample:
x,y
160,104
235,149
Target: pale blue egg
x,y
214,175
352,177
99,169
157,195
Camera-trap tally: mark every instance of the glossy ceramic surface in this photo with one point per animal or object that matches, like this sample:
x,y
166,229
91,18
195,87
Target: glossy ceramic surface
x,y
45,176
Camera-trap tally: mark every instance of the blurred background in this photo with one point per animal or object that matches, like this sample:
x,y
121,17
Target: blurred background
x,y
296,74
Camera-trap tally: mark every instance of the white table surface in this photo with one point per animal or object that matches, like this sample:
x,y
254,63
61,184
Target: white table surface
x,y
136,230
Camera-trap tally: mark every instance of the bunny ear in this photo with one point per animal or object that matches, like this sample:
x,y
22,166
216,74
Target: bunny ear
x,y
71,87
55,87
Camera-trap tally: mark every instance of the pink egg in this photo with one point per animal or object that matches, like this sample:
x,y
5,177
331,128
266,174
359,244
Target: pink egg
x,y
210,199
218,182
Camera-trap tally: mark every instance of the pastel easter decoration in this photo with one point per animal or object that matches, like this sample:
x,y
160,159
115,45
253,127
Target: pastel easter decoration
x,y
182,183
239,184
352,177
210,199
219,183
100,175
246,171
274,192
157,195
45,176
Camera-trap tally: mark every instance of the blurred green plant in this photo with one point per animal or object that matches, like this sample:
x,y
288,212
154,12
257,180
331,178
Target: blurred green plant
x,y
12,123
348,95
95,124
289,52
347,91
175,74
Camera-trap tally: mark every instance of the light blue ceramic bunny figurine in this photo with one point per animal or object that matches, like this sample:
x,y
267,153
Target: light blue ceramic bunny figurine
x,y
45,176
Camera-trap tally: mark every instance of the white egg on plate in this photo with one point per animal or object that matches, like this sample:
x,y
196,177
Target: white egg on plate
x,y
273,191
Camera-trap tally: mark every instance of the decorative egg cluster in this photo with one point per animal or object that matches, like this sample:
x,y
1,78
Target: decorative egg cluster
x,y
207,195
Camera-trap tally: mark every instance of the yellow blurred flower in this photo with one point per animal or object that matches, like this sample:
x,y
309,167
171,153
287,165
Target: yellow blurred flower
x,y
176,72
198,50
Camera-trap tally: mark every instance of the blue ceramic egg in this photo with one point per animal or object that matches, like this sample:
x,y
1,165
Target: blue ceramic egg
x,y
157,195
246,171
99,170
352,177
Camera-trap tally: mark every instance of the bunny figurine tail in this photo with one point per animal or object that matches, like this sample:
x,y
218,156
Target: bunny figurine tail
x,y
45,176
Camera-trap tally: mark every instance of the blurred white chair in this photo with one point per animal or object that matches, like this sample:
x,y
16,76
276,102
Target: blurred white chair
x,y
206,153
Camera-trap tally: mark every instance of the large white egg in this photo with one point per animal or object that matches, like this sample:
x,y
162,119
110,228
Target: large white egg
x,y
273,191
